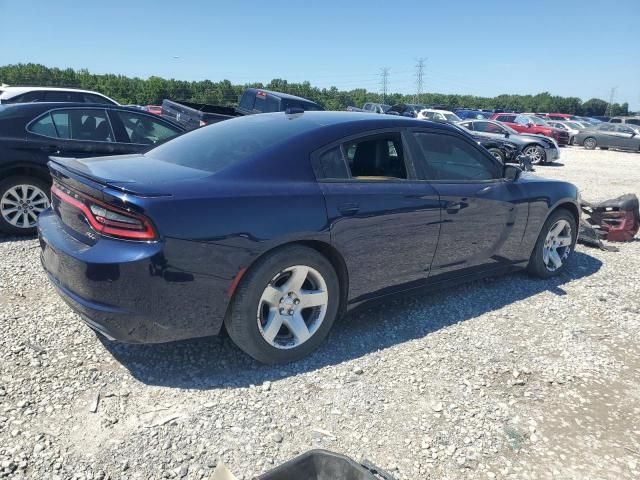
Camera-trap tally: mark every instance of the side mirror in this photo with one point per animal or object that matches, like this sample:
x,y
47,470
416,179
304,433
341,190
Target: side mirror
x,y
507,134
530,124
511,173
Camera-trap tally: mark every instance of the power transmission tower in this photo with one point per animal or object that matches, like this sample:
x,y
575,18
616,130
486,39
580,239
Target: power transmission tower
x,y
609,111
384,82
419,79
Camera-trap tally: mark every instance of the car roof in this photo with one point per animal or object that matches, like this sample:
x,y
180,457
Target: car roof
x,y
35,108
16,90
346,123
436,110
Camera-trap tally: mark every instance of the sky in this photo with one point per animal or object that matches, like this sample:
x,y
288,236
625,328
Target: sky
x,y
581,48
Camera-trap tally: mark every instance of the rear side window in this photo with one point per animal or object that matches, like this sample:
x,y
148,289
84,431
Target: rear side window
x,y
44,126
92,98
266,104
330,165
247,100
446,157
615,120
506,118
89,125
634,121
223,144
144,130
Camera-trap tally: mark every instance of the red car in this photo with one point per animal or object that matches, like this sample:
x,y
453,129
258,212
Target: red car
x,y
534,125
155,109
559,116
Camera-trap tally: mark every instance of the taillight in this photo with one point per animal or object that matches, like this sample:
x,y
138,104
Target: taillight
x,y
107,219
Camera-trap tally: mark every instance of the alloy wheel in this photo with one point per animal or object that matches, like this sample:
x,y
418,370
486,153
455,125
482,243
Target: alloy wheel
x,y
21,204
557,245
535,154
292,307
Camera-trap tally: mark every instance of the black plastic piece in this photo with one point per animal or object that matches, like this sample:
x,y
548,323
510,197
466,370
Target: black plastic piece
x,y
324,465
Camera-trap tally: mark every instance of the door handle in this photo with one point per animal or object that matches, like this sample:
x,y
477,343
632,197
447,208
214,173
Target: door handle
x,y
454,207
50,149
349,208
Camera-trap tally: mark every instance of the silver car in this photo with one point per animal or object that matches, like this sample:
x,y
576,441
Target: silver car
x,y
624,136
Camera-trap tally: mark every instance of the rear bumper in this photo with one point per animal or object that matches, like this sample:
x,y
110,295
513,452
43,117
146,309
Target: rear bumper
x,y
136,292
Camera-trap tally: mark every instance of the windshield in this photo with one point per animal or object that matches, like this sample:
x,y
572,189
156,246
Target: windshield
x,y
452,117
508,128
537,121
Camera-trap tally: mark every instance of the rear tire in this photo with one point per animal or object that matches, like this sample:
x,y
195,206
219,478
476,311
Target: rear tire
x,y
267,318
589,143
543,263
22,198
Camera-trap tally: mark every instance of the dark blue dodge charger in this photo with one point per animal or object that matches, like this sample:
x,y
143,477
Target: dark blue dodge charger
x,y
273,225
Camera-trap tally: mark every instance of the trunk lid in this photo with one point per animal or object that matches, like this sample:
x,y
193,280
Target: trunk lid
x,y
136,174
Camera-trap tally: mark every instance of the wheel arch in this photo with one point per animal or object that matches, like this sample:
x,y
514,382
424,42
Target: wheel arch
x,y
25,169
323,248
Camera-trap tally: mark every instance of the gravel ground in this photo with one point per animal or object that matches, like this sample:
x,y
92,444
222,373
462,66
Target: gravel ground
x,y
506,378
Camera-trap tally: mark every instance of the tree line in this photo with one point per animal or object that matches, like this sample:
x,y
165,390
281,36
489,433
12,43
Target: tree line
x,y
153,90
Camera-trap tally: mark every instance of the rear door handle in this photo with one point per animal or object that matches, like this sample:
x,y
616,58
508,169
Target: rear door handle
x,y
349,208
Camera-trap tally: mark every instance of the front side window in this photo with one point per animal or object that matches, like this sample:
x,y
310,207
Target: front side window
x,y
448,158
634,121
468,125
605,127
376,158
623,129
91,125
615,120
144,130
487,127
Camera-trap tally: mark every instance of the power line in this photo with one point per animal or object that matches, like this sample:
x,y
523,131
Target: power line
x,y
384,82
419,79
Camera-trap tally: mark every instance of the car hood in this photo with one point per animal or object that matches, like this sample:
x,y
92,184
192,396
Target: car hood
x,y
137,173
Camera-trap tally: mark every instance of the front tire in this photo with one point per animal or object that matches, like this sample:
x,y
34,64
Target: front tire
x,y
497,153
590,143
554,246
284,306
22,199
536,154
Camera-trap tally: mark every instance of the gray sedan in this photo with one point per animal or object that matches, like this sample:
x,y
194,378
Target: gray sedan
x,y
610,135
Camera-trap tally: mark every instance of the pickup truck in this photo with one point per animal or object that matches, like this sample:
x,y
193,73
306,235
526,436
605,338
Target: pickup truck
x,y
254,100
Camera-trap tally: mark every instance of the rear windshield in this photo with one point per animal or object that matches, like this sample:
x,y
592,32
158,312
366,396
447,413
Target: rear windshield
x,y
223,144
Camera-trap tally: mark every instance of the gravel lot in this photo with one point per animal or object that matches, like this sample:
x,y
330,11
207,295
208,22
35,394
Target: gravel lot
x,y
507,378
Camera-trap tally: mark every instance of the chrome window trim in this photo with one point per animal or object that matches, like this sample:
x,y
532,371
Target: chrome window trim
x,y
50,113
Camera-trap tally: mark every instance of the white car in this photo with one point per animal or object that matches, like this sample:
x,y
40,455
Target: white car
x,y
10,94
438,115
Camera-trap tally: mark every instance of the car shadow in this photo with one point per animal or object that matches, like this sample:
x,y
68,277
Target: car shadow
x,y
551,164
214,362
